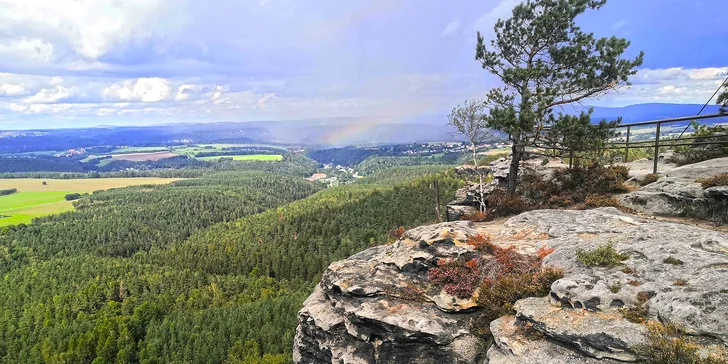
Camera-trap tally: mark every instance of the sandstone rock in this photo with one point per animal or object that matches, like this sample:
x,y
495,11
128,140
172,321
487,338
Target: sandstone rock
x,y
717,193
700,308
377,307
691,172
666,197
456,212
516,342
363,311
471,170
599,335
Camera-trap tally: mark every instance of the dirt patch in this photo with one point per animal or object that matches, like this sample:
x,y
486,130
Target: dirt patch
x,y
154,156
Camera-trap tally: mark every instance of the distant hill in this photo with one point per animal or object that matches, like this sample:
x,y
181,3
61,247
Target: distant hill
x,y
322,132
647,112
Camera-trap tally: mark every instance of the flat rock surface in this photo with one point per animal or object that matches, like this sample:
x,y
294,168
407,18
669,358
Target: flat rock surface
x,y
677,192
699,259
516,342
596,334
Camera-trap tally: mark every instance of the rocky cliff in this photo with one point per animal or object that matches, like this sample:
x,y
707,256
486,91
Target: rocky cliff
x,y
381,306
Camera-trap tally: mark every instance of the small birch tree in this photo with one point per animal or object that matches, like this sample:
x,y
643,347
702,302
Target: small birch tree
x,y
470,120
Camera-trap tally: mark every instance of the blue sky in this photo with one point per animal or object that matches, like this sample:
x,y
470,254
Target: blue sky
x,y
66,63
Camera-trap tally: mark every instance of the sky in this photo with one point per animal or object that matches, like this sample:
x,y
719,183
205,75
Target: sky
x,y
74,63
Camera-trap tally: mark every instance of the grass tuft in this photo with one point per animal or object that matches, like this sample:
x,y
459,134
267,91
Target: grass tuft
x,y
603,256
673,261
715,180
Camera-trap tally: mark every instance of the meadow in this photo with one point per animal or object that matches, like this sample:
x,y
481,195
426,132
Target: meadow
x,y
34,199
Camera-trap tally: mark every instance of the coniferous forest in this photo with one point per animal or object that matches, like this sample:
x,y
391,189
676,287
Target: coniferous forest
x,y
204,270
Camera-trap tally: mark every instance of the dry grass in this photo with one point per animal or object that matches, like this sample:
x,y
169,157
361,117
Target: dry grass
x,y
713,181
667,345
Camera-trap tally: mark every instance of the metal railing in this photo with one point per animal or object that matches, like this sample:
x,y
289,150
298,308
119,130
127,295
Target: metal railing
x,y
671,142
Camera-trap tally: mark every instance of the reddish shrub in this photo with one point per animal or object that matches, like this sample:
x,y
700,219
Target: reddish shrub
x,y
481,243
543,252
459,280
476,217
396,234
501,203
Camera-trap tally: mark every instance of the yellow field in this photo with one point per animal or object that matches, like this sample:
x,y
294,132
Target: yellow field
x,y
77,185
496,151
34,199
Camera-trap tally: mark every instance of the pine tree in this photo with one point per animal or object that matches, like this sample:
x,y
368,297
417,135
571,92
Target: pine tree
x,y
545,60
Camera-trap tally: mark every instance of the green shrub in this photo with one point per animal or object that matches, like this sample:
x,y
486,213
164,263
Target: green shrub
x,y
569,186
637,314
603,256
497,297
615,287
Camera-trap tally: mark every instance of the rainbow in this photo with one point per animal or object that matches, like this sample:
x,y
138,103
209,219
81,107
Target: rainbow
x,y
343,132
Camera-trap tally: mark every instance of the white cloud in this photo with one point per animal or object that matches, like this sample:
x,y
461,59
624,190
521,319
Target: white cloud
x,y
485,22
185,92
670,85
27,50
17,107
452,28
49,95
49,108
90,28
11,90
141,90
217,96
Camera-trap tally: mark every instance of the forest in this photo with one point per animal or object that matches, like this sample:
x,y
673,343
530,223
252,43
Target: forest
x,y
205,270
181,167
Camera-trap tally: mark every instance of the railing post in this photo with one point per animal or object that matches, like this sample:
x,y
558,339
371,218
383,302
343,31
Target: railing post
x,y
626,147
657,148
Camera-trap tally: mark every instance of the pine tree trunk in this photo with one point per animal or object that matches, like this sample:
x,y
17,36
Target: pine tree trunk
x,y
517,153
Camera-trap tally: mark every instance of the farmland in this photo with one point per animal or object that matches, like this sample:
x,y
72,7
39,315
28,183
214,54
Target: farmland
x,y
138,150
250,157
34,199
145,156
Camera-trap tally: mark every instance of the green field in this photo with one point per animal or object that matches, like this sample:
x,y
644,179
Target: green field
x,y
22,207
34,199
192,150
42,152
249,157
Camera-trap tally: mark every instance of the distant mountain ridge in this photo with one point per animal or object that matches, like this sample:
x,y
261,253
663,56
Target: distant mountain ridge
x,y
317,133
648,112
